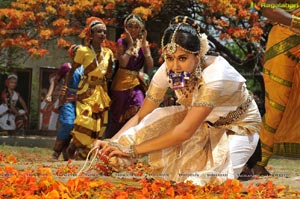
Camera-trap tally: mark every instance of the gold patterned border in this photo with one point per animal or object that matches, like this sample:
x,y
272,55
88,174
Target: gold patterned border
x,y
287,149
282,47
277,79
275,104
267,127
266,147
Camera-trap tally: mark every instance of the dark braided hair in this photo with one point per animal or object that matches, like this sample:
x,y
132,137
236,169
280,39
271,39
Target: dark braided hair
x,y
187,34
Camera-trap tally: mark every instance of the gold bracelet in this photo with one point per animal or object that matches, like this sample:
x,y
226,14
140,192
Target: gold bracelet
x,y
295,23
132,151
147,55
146,52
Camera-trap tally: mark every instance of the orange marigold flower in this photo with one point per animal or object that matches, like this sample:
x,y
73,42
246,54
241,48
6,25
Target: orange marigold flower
x,y
110,6
51,10
11,159
98,9
53,195
63,43
222,23
46,34
143,12
60,22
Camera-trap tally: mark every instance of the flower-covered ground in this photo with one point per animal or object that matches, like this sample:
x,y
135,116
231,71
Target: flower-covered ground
x,y
27,173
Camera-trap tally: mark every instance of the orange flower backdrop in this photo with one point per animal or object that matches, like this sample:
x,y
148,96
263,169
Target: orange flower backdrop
x,y
28,24
234,26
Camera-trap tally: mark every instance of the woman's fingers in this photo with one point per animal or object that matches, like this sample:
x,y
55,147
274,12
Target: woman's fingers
x,y
109,150
106,149
116,152
99,143
145,34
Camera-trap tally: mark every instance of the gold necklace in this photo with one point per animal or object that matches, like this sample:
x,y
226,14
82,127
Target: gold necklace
x,y
189,86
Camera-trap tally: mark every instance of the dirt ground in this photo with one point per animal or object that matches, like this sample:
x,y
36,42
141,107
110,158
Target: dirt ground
x,y
285,171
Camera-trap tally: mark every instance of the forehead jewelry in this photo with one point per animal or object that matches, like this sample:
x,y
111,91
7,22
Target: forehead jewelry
x,y
93,23
132,19
171,47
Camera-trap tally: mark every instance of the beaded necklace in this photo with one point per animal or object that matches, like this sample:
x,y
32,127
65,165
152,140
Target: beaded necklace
x,y
100,66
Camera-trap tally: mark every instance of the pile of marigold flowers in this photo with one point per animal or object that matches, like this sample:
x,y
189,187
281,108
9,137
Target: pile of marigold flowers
x,y
43,182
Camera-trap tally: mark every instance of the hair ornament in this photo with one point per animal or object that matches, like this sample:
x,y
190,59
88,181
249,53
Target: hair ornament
x,y
172,46
204,44
94,23
12,76
135,18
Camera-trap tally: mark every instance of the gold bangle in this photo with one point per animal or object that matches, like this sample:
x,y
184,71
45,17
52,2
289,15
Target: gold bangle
x,y
147,55
132,151
146,52
295,23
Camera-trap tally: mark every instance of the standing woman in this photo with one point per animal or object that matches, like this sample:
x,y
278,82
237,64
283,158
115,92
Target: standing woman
x,y
280,133
67,108
127,93
11,117
92,98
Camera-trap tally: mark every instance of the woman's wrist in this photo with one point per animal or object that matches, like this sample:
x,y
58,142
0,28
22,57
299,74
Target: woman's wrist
x,y
133,152
48,97
130,151
146,52
64,90
295,23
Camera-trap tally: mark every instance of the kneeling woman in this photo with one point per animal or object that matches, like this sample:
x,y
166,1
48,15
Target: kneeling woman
x,y
190,141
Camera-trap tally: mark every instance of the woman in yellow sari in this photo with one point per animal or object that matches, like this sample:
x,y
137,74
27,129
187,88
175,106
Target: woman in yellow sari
x,y
280,133
92,99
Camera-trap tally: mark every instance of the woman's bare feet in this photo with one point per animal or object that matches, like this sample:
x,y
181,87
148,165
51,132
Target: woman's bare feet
x,y
260,170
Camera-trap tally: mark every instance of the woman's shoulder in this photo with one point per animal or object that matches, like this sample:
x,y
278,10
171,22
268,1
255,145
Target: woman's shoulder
x,y
219,69
83,49
106,50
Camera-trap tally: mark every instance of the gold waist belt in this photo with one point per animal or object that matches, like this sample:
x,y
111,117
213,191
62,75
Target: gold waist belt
x,y
95,80
125,79
129,72
234,115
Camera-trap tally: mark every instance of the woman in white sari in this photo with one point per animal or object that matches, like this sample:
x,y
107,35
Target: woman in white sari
x,y
190,141
11,116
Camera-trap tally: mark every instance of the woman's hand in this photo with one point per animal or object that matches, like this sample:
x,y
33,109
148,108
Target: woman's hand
x,y
111,149
144,37
48,98
128,39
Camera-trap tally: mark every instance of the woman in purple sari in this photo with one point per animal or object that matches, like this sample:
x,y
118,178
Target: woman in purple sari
x,y
127,93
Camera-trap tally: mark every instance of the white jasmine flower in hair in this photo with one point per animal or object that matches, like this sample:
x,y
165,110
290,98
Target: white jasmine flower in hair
x,y
204,44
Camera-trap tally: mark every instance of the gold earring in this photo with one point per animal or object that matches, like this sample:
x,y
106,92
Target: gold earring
x,y
199,68
198,71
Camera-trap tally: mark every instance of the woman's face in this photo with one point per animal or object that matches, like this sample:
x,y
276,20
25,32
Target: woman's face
x,y
12,83
99,33
181,61
134,29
